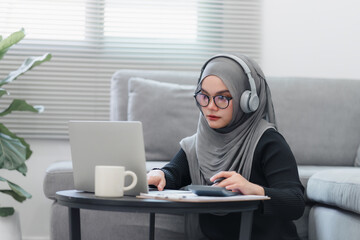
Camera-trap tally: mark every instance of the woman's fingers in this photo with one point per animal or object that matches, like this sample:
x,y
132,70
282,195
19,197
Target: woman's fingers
x,y
222,174
161,184
156,178
233,180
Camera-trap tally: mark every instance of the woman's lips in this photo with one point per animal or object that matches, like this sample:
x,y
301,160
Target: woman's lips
x,y
213,117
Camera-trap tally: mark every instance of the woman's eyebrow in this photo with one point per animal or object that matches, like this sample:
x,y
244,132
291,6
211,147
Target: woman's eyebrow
x,y
217,93
223,91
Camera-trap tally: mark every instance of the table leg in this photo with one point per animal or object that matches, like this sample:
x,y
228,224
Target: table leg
x,y
246,225
74,224
152,226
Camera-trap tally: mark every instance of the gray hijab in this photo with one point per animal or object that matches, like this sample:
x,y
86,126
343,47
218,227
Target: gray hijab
x,y
231,148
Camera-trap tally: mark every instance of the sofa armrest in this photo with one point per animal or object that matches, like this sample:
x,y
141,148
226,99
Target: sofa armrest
x,y
338,187
59,176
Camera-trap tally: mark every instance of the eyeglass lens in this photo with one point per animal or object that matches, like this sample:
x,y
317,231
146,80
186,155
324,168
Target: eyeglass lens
x,y
220,101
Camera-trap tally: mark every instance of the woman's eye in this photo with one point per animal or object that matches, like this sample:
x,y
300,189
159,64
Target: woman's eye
x,y
221,98
203,96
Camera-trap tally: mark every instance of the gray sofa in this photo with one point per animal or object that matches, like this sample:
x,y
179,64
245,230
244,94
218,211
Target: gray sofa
x,y
320,118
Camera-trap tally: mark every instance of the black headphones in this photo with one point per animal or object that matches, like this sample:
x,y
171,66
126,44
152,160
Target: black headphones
x,y
249,101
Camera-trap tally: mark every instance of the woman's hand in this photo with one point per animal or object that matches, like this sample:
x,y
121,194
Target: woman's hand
x,y
157,178
235,182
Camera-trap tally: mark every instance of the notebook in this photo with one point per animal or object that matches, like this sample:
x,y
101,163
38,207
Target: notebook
x,y
113,143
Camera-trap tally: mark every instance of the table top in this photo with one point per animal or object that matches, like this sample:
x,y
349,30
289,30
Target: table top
x,y
86,200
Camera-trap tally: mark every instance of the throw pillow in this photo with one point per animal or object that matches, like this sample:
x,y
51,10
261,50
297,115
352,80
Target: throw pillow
x,y
168,113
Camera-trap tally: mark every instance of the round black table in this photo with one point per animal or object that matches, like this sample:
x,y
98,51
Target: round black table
x,y
76,200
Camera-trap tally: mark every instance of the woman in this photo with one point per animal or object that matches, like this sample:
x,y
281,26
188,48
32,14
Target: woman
x,y
236,139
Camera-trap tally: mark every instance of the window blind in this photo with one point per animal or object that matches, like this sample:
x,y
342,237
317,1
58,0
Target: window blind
x,y
91,39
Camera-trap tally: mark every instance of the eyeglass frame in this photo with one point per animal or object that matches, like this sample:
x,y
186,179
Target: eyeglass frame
x,y
213,98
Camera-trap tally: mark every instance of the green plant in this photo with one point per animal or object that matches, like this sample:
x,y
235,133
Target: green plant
x,y
14,150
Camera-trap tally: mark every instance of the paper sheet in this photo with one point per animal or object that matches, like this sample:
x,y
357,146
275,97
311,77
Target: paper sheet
x,y
188,196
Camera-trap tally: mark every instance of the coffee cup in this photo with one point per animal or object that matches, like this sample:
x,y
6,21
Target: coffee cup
x,y
110,181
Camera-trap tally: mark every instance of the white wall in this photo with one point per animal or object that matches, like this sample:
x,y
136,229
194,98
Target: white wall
x,y
311,38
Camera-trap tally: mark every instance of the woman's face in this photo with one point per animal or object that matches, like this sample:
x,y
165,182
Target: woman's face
x,y
215,116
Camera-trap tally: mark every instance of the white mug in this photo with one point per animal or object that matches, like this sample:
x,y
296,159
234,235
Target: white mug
x,y
110,181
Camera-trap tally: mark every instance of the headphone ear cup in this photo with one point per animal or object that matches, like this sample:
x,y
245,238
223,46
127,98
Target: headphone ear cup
x,y
253,103
244,101
249,103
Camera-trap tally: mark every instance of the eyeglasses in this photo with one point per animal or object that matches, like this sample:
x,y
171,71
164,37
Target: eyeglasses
x,y
220,101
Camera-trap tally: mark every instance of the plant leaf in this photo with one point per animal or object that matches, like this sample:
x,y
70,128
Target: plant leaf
x,y
3,91
21,105
22,169
27,65
16,189
6,211
6,43
6,131
12,153
14,195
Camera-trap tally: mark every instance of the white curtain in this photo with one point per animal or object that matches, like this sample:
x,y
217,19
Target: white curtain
x,y
91,39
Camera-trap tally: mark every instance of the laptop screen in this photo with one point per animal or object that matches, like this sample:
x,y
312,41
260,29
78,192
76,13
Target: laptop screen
x,y
112,143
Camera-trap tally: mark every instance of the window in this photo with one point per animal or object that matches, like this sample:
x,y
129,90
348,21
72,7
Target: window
x,y
91,39
151,19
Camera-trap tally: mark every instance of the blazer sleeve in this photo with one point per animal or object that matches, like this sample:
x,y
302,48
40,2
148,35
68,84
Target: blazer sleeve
x,y
177,172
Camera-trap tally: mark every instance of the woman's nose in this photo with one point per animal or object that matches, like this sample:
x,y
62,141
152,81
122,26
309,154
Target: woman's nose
x,y
212,105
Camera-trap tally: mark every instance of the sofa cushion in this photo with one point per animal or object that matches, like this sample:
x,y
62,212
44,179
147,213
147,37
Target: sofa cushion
x,y
59,176
168,113
305,172
338,187
119,86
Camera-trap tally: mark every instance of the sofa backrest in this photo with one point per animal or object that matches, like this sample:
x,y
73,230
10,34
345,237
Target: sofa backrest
x,y
319,118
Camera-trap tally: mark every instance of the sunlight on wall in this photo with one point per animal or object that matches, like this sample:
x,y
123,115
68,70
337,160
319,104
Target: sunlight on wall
x,y
311,38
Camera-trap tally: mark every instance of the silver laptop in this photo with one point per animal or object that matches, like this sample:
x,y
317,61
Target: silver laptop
x,y
118,143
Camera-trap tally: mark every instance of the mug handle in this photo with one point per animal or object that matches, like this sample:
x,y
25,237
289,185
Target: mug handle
x,y
134,177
